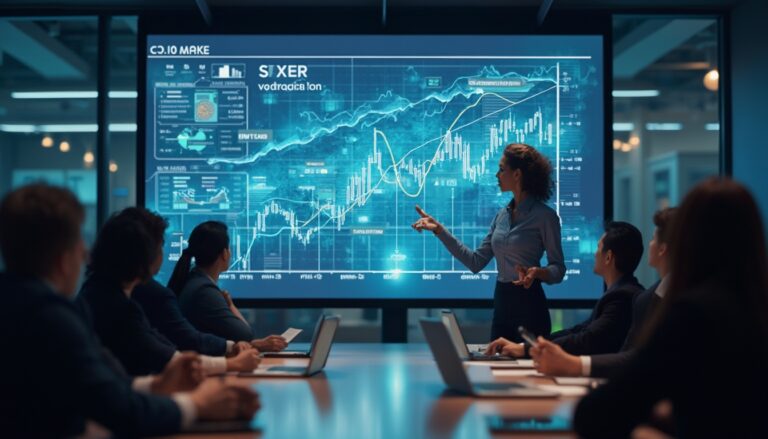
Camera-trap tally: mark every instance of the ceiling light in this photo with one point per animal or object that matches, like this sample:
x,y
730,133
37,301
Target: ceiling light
x,y
112,166
712,127
88,158
74,94
66,128
665,126
712,80
635,93
623,126
47,142
64,146
634,140
127,94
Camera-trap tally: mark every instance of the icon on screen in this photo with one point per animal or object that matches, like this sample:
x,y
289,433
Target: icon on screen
x,y
227,71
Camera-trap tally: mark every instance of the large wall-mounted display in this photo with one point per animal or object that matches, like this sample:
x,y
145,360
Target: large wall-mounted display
x,y
315,149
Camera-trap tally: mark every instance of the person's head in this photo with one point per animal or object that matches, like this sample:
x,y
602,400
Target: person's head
x,y
40,235
619,249
717,248
124,250
155,225
718,239
208,244
658,248
523,169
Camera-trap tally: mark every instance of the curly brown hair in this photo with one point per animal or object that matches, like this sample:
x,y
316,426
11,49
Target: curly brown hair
x,y
536,169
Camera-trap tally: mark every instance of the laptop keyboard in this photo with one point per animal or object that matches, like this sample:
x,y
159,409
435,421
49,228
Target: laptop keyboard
x,y
477,347
498,386
482,357
291,369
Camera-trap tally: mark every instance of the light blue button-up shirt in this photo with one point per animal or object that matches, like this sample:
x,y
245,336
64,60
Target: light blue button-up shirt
x,y
519,242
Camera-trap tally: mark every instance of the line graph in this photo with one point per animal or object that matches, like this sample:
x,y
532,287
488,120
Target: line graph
x,y
360,186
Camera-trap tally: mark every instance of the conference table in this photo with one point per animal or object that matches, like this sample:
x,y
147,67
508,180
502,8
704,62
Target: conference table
x,y
383,391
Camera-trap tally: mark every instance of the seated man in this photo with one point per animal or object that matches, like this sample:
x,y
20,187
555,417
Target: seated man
x,y
618,253
121,259
60,378
551,359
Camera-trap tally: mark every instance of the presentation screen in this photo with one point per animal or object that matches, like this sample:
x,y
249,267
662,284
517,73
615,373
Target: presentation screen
x,y
314,150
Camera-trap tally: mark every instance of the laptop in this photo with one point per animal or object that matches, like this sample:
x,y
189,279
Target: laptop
x,y
297,354
464,350
318,354
455,375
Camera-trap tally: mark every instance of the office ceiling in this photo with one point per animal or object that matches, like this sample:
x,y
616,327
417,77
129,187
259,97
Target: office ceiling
x,y
38,54
585,4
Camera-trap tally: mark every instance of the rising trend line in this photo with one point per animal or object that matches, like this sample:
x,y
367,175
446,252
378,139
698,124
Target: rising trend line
x,y
398,104
395,165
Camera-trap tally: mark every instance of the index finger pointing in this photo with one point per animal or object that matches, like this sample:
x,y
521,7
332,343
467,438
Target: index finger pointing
x,y
421,212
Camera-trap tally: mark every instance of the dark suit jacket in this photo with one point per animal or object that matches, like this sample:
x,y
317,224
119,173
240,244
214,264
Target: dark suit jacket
x,y
161,307
605,330
56,377
202,303
714,378
645,304
122,327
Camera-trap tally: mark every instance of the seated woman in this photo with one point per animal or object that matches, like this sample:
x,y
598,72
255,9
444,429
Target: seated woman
x,y
209,308
711,327
121,259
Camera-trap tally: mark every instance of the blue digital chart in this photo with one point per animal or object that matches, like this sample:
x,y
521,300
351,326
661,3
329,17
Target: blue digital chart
x,y
314,150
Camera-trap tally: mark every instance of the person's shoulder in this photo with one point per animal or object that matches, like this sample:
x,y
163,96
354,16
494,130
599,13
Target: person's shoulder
x,y
54,315
625,292
630,285
503,210
58,316
97,290
27,293
709,301
152,291
544,209
198,284
645,296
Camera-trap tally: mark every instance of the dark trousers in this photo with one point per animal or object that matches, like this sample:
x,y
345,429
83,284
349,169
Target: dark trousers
x,y
515,306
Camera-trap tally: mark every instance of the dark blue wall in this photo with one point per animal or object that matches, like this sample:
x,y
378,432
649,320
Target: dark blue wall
x,y
749,57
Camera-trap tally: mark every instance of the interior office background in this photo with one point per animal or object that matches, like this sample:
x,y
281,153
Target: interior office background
x,y
667,132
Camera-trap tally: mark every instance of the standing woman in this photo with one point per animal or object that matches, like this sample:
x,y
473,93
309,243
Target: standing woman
x,y
519,235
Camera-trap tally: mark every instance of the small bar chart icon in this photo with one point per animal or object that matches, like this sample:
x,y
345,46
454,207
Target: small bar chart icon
x,y
227,71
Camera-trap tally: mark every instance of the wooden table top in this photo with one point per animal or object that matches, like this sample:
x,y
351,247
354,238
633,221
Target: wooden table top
x,y
382,391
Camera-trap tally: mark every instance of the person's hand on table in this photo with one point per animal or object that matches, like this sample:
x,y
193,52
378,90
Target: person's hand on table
x,y
245,361
505,347
240,346
272,343
550,359
218,400
183,373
